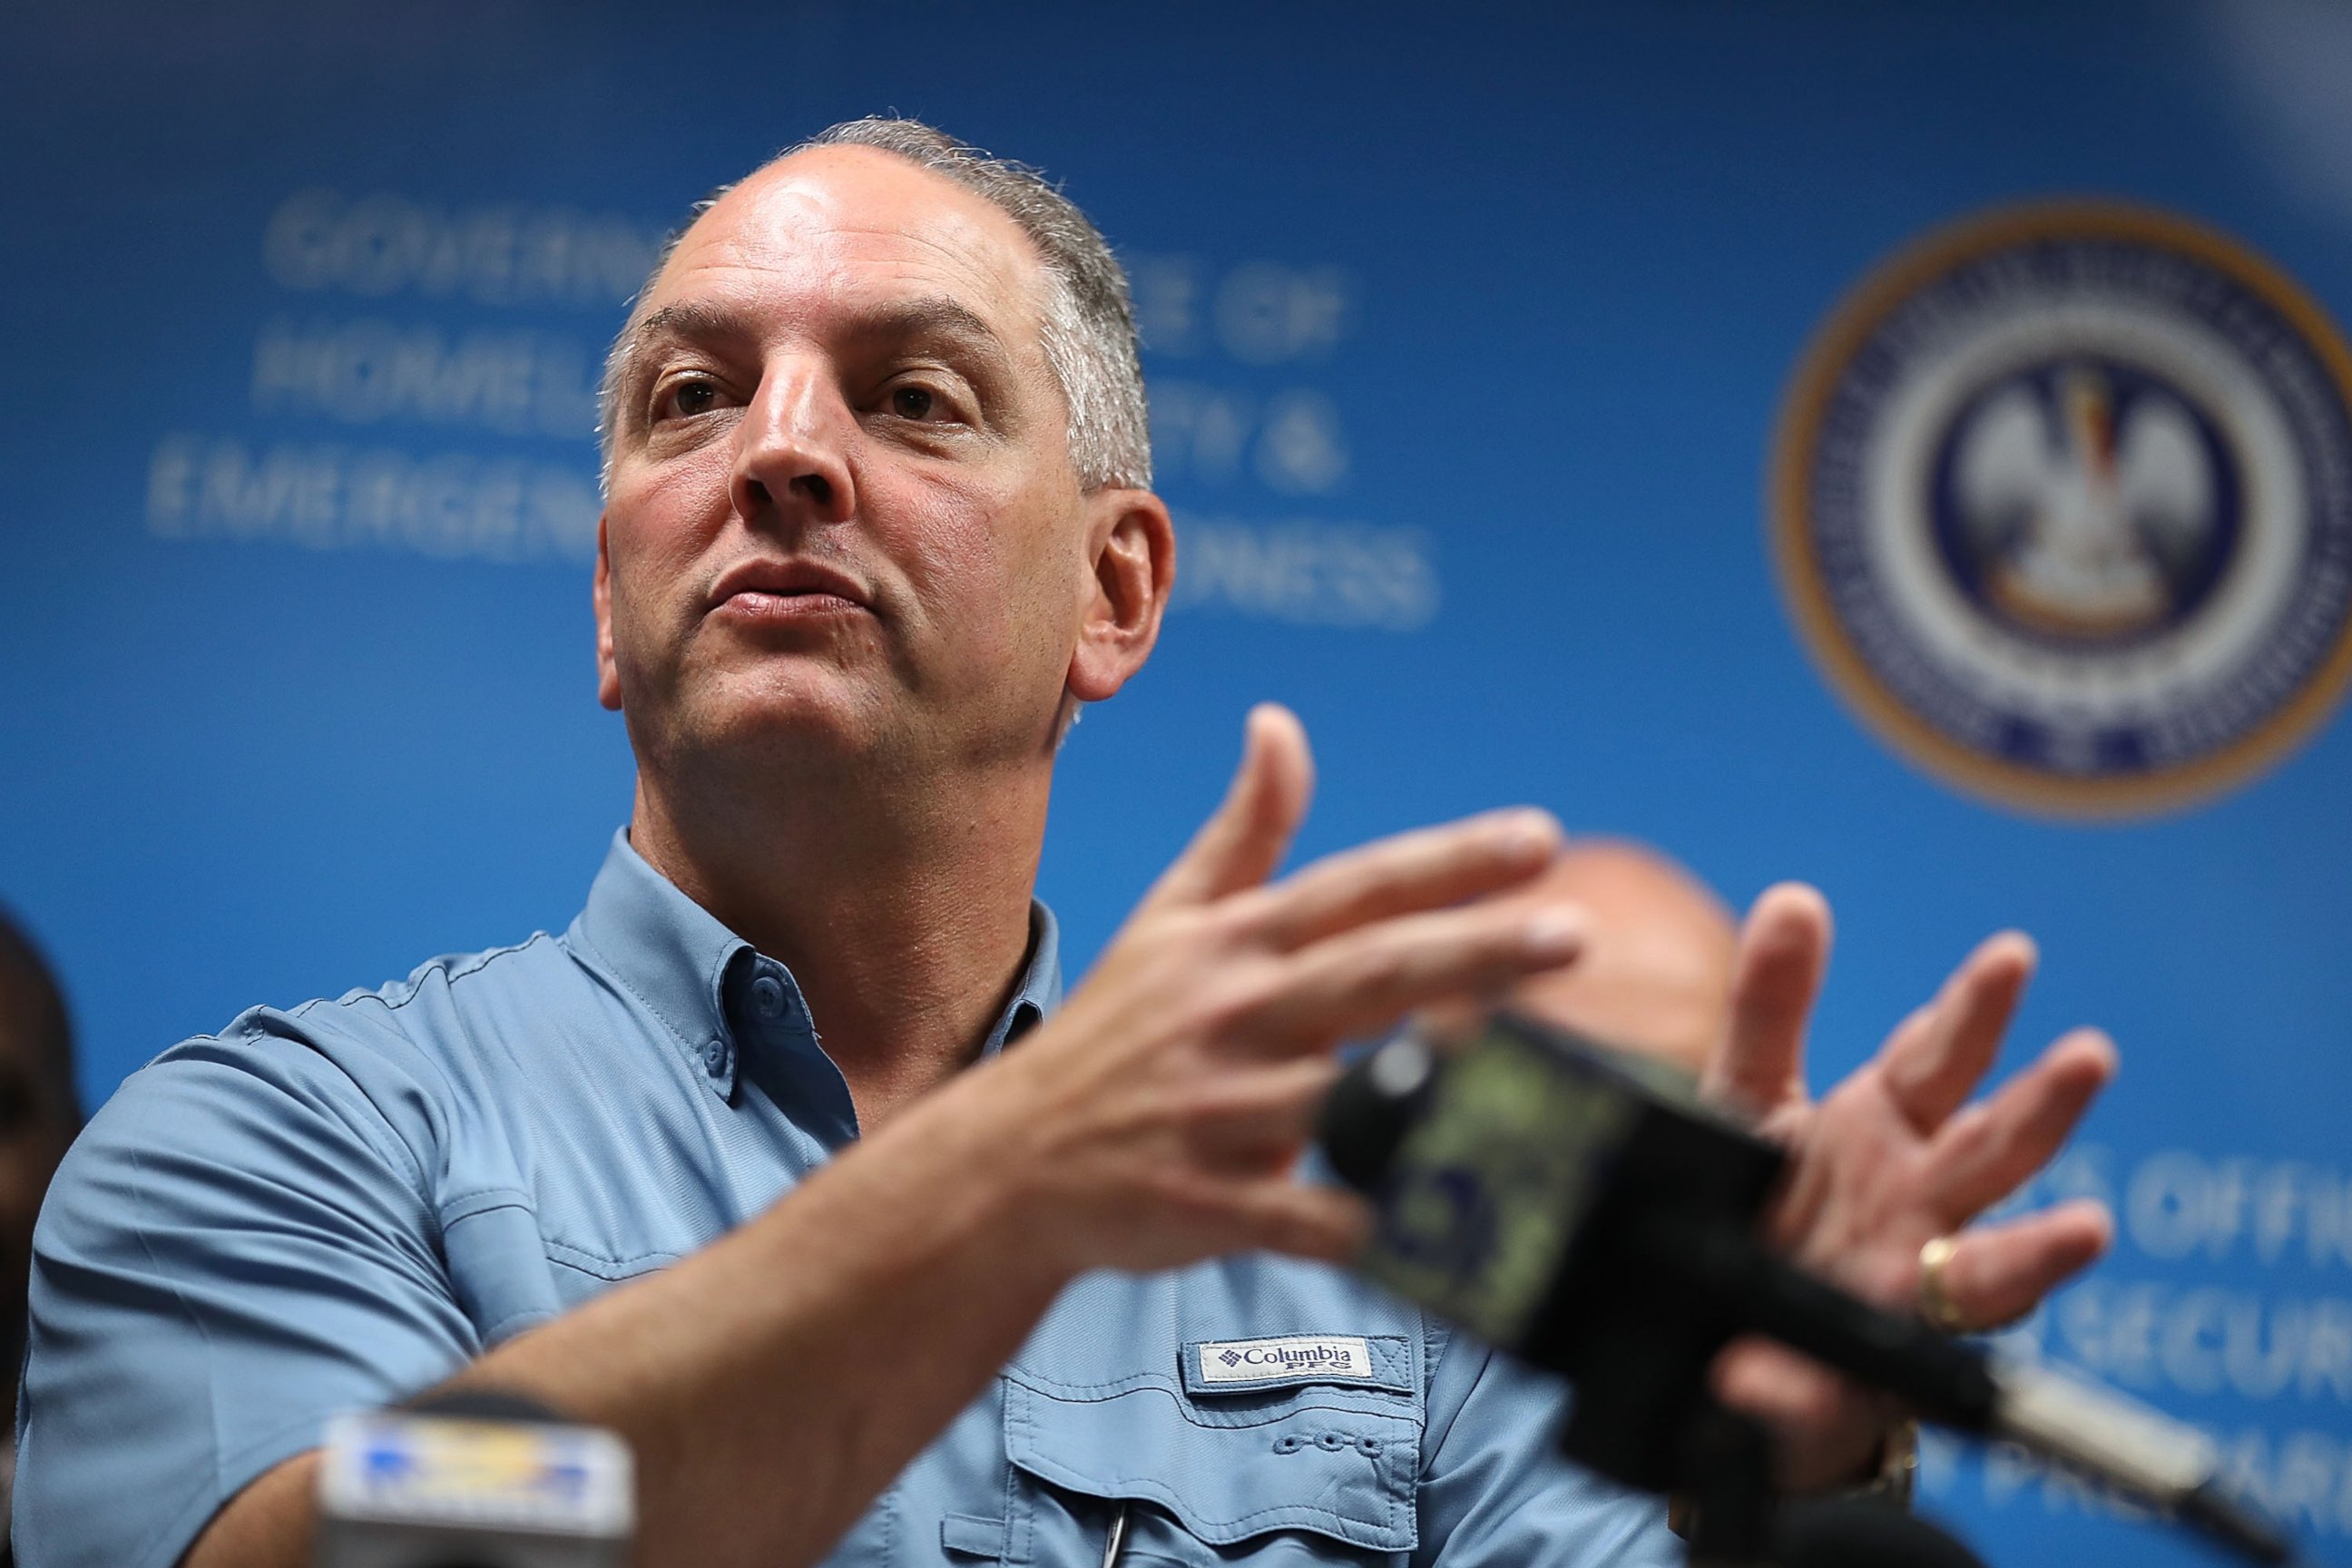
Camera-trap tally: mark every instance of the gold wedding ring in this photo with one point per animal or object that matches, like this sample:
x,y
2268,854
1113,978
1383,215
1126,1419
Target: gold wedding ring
x,y
1934,1304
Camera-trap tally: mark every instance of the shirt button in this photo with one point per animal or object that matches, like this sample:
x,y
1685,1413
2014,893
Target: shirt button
x,y
768,996
714,1059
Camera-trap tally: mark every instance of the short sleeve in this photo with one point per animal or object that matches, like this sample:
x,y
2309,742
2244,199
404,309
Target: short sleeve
x,y
1495,1491
237,1247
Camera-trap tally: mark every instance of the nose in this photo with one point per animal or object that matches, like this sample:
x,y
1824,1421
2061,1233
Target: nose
x,y
791,449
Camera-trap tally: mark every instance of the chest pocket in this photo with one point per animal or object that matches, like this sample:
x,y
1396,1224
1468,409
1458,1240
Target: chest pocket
x,y
1292,1467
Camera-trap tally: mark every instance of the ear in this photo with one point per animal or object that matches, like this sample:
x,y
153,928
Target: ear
x,y
1133,555
608,669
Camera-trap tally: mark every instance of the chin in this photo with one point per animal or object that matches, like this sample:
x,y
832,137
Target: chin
x,y
796,717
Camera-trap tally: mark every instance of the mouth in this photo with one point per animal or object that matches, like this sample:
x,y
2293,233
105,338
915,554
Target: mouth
x,y
785,591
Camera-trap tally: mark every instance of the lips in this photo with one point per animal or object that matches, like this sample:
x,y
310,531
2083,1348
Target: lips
x,y
787,588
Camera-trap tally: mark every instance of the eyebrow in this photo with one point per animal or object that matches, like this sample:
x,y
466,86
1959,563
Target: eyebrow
x,y
932,317
687,318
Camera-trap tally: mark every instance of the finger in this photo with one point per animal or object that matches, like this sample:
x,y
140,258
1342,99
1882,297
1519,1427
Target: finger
x,y
1259,1118
1453,1022
1824,1427
1424,869
1935,1070
1281,1215
1998,1274
1983,1153
1364,980
1784,946
1244,840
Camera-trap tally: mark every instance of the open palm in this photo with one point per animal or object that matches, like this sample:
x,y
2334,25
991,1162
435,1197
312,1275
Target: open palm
x,y
1893,1157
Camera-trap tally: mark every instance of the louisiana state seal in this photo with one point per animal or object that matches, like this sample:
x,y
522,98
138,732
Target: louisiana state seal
x,y
2063,501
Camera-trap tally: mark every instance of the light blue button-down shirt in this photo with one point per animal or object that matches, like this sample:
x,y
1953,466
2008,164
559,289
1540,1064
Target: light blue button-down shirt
x,y
336,1206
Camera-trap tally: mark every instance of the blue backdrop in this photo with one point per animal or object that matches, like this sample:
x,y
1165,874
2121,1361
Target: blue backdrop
x,y
1466,343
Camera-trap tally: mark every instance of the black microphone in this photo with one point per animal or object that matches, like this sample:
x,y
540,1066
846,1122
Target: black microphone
x,y
1582,1209
1863,1532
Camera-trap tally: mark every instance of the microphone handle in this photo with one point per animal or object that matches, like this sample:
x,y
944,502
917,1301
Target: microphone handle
x,y
1949,1381
1954,1382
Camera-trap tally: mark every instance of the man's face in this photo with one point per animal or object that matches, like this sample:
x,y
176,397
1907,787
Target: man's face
x,y
841,510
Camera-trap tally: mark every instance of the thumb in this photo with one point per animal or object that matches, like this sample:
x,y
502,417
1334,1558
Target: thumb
x,y
1245,839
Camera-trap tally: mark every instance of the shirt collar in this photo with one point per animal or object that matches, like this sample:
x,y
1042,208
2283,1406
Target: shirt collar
x,y
675,957
1040,991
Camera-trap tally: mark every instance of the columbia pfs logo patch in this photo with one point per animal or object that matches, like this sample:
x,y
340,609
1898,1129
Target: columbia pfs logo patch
x,y
1293,1358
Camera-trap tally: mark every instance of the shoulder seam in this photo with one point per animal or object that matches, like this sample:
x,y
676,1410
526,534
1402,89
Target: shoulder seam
x,y
451,969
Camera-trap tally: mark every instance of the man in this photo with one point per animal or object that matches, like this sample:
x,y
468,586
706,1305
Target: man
x,y
949,1277
40,1111
1659,951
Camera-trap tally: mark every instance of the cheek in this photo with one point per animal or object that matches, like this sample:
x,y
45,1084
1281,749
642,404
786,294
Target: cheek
x,y
658,530
997,569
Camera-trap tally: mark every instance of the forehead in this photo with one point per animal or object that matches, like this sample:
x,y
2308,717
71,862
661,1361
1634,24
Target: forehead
x,y
845,227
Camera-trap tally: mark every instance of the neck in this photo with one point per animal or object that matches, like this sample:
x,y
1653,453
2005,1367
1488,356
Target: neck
x,y
901,906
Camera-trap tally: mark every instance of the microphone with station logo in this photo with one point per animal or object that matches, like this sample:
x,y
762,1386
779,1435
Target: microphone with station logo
x,y
473,1479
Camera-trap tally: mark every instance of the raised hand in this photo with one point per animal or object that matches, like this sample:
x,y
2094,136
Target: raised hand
x,y
1895,1157
1156,1120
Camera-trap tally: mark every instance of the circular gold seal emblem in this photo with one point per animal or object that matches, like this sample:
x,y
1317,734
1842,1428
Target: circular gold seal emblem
x,y
2061,502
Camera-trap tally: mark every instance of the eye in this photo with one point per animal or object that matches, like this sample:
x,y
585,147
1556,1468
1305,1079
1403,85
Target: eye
x,y
686,397
913,402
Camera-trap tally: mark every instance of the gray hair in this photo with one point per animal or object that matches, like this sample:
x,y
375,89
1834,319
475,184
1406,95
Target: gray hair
x,y
1088,332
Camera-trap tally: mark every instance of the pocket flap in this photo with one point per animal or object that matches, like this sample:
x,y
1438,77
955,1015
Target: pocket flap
x,y
1338,1462
490,1244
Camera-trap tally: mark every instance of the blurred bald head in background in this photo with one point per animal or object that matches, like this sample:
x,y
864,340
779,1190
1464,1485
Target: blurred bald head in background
x,y
1655,975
